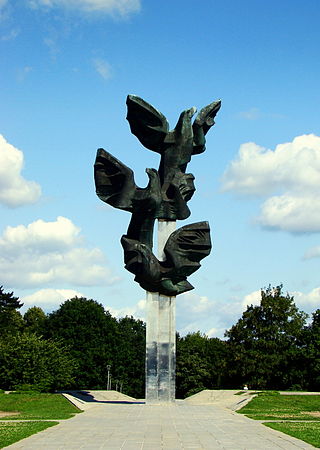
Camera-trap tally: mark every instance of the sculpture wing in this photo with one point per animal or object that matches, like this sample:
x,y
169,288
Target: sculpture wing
x,y
114,181
147,123
186,247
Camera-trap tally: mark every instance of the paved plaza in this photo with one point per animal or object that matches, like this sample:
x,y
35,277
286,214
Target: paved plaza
x,y
134,426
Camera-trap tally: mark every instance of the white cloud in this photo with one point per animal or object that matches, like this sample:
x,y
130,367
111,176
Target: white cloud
x,y
138,311
103,68
48,299
199,313
195,312
14,189
39,237
47,253
120,7
291,172
307,302
212,332
291,212
260,171
254,298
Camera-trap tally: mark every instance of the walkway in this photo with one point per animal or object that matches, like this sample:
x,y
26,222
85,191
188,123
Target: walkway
x,y
136,426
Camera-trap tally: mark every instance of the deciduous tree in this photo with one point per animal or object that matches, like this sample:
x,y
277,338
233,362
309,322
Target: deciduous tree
x,y
26,359
266,344
35,320
91,333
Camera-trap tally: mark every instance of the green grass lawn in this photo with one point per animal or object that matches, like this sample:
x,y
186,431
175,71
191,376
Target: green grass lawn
x,y
37,406
283,407
306,431
288,407
33,407
11,432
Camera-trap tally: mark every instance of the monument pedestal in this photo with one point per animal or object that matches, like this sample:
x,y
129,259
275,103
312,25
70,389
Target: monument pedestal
x,y
161,336
160,349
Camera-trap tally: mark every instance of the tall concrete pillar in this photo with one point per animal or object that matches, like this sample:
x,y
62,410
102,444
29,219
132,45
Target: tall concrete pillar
x,y
161,336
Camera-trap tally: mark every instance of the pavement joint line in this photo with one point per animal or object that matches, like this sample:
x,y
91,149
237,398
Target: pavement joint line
x,y
136,426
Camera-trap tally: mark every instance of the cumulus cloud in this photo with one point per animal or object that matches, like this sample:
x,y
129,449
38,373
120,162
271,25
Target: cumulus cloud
x,y
14,189
291,172
47,253
199,313
39,237
48,299
103,68
120,7
260,171
211,317
307,302
296,213
138,311
254,298
193,313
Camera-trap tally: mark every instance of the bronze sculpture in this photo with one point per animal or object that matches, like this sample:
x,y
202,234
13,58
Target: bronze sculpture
x,y
165,197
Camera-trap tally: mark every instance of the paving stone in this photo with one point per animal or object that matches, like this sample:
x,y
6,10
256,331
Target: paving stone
x,y
140,427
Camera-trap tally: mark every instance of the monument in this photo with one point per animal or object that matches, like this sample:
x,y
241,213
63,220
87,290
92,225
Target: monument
x,y
164,198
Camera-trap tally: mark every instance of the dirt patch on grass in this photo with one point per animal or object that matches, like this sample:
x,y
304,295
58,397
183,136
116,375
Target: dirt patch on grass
x,y
8,413
312,413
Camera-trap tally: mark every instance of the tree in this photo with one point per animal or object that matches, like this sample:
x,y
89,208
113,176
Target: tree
x,y
26,359
312,350
129,362
10,319
8,301
35,320
200,363
91,333
266,344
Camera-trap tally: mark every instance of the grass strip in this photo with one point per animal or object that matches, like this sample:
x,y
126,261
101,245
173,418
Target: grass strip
x,y
307,432
283,407
11,432
37,406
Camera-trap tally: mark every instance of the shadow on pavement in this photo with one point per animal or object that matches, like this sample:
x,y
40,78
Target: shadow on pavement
x,y
101,397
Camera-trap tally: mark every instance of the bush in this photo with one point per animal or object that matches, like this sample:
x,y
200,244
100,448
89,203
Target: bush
x,y
269,393
26,389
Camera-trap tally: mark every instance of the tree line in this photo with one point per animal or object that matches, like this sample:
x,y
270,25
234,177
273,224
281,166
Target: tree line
x,y
272,346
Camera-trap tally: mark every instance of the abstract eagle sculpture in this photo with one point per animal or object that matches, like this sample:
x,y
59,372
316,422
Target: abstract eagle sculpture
x,y
165,197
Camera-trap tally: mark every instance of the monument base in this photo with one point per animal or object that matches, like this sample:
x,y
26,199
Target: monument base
x,y
160,349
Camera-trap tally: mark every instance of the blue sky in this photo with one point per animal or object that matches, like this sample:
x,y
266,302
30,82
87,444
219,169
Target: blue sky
x,y
66,69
